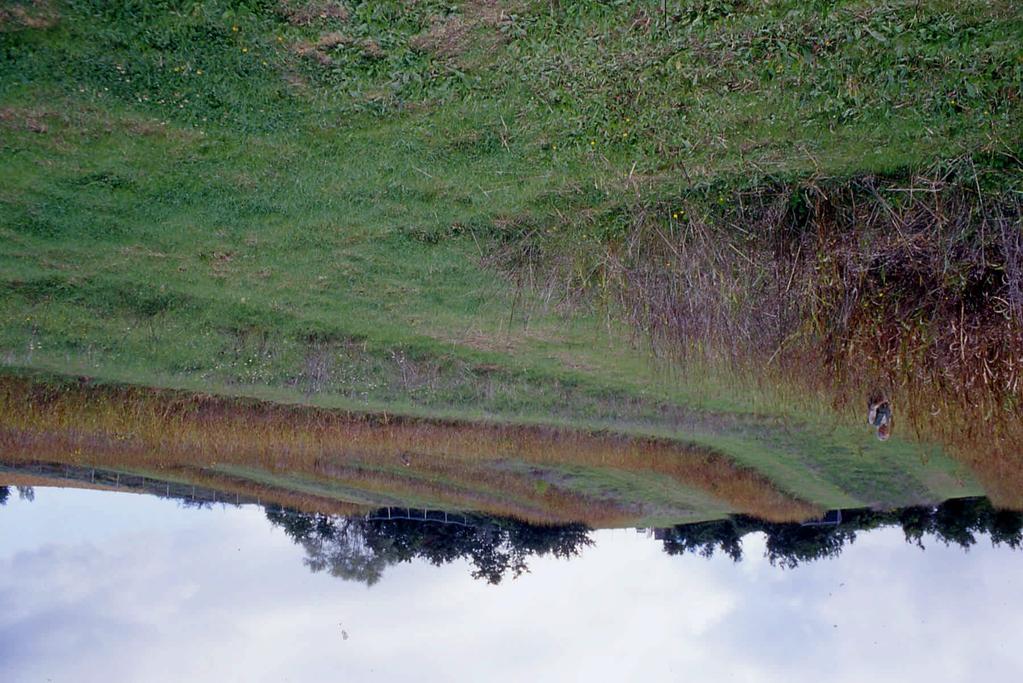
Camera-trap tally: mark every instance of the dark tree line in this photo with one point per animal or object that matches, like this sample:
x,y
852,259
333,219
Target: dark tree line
x,y
954,522
360,549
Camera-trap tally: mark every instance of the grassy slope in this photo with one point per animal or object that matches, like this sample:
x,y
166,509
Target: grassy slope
x,y
187,201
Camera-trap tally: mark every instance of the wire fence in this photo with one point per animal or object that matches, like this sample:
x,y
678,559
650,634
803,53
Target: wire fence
x,y
191,494
124,481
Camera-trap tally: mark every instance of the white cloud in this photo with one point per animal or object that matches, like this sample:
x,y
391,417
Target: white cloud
x,y
95,587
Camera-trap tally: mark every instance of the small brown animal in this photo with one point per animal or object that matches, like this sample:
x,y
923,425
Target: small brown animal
x,y
879,415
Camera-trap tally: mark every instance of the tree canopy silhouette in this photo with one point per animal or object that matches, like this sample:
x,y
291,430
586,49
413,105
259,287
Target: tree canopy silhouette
x,y
359,549
954,522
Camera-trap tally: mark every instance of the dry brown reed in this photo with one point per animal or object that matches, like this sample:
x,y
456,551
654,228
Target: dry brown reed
x,y
461,464
909,286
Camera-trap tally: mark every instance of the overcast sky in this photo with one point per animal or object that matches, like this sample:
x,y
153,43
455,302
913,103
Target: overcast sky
x,y
119,587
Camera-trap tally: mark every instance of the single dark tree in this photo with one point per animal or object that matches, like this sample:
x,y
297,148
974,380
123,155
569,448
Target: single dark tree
x,y
705,538
360,549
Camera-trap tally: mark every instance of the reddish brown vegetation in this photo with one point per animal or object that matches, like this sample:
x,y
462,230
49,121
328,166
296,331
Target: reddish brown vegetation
x,y
463,465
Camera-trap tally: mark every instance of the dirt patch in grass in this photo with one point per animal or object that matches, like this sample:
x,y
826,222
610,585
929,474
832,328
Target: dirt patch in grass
x,y
446,36
30,120
38,14
311,52
318,52
450,36
58,124
300,13
371,49
328,41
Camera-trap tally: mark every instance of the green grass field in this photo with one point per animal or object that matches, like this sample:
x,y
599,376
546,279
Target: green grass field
x,y
306,202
